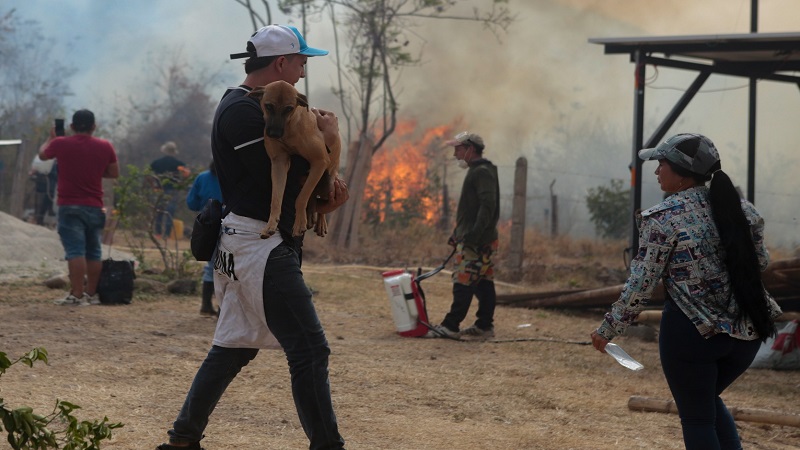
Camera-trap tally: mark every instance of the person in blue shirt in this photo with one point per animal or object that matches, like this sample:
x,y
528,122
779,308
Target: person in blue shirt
x,y
205,187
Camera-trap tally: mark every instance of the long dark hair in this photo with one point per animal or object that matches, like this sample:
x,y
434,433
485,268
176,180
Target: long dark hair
x,y
736,240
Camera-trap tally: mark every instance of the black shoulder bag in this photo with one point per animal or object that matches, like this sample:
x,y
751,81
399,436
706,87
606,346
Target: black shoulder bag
x,y
206,230
208,225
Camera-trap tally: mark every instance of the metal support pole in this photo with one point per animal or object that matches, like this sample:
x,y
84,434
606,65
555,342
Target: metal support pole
x,y
751,121
638,137
751,143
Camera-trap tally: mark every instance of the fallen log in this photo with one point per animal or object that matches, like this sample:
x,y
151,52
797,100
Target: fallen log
x,y
653,317
601,297
638,403
512,299
782,280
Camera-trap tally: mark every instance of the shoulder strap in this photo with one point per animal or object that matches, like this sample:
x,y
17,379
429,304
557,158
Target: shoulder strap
x,y
238,189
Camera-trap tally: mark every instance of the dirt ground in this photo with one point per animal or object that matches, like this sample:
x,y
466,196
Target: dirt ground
x,y
134,364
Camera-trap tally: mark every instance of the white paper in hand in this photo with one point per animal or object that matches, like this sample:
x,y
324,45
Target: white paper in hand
x,y
622,357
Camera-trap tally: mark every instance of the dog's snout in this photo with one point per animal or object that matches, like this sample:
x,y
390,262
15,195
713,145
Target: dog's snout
x,y
274,132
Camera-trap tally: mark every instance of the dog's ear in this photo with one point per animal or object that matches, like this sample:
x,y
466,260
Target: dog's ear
x,y
302,101
257,93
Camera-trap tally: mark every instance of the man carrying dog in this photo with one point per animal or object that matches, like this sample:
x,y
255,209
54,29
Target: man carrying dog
x,y
264,301
475,240
83,161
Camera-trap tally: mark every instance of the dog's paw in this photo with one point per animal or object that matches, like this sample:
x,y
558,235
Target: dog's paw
x,y
321,226
300,225
268,231
299,231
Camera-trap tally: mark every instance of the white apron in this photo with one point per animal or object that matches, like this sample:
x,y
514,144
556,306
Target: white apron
x,y
239,281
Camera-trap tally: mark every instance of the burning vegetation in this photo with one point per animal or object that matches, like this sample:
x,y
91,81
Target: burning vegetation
x,y
407,181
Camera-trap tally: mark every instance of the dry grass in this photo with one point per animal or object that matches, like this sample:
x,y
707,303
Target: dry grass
x,y
549,262
135,363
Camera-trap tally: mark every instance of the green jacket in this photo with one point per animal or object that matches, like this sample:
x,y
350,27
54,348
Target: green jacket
x,y
479,206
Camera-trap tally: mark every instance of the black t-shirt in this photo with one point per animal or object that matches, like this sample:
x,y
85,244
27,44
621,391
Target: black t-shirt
x,y
166,164
243,166
166,168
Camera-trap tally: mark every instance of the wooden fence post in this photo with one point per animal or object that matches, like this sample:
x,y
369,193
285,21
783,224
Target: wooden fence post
x,y
516,248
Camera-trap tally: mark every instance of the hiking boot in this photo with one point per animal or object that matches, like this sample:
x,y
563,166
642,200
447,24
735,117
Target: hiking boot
x,y
441,331
71,300
92,299
192,446
474,332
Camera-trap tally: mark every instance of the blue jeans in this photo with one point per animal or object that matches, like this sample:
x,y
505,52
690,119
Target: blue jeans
x,y
79,228
697,371
165,213
293,320
208,271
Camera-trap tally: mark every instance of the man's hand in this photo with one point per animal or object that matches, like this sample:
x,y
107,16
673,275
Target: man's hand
x,y
328,123
46,143
451,241
336,198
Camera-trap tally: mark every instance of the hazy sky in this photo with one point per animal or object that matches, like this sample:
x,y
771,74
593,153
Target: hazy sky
x,y
541,91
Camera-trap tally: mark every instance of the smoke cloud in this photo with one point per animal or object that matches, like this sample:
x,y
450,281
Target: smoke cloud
x,y
541,91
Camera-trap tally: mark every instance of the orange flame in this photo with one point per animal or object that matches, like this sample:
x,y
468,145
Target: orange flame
x,y
401,173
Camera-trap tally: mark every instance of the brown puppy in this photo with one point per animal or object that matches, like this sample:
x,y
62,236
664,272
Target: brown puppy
x,y
291,129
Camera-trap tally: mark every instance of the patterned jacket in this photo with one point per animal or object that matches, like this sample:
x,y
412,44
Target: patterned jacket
x,y
679,244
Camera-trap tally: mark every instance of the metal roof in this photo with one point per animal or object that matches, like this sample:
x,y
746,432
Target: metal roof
x,y
761,55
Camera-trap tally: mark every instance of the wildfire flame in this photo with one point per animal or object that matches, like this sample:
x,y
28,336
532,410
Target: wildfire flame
x,y
401,172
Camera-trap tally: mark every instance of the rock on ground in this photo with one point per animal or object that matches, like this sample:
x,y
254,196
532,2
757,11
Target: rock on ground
x,y
33,251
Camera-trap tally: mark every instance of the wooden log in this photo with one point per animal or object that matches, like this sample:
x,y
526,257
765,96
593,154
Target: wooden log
x,y
782,280
509,299
639,403
653,317
601,297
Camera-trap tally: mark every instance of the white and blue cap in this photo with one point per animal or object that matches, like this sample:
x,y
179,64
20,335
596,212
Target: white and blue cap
x,y
276,40
699,160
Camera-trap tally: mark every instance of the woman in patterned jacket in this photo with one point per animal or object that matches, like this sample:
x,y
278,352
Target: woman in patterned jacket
x,y
706,245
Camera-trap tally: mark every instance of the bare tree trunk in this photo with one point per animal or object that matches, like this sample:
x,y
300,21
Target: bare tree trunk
x,y
346,220
19,180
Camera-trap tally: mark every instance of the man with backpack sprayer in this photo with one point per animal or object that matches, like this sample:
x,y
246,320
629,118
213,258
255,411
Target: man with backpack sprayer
x,y
475,241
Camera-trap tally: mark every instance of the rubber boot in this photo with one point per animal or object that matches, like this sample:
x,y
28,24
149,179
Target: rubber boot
x,y
207,307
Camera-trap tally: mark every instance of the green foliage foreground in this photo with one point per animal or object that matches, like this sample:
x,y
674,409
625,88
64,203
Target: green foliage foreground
x,y
27,430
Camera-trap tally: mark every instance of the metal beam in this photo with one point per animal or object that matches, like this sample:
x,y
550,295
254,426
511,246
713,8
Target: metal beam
x,y
733,69
676,111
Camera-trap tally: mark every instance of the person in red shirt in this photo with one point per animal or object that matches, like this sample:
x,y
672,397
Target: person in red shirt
x,y
83,162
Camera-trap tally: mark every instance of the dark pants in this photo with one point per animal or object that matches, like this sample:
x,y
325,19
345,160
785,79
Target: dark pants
x,y
43,207
293,320
697,371
462,298
165,212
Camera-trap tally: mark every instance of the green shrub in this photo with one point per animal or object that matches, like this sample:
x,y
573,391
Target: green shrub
x,y
60,429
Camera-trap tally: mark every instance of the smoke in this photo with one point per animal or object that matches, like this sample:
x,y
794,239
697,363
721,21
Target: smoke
x,y
543,92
